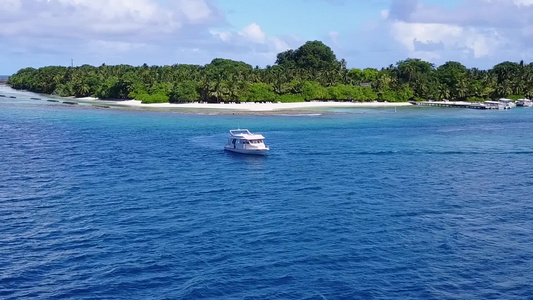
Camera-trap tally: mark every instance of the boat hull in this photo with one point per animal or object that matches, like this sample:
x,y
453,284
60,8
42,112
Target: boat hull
x,y
248,151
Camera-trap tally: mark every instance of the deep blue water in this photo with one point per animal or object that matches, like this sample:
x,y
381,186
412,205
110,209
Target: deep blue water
x,y
424,203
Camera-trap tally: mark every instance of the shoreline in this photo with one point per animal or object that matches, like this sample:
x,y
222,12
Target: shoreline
x,y
248,108
245,107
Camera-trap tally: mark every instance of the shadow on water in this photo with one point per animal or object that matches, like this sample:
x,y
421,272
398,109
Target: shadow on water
x,y
250,159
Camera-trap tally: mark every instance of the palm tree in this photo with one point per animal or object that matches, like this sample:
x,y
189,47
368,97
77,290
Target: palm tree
x,y
461,90
504,90
443,92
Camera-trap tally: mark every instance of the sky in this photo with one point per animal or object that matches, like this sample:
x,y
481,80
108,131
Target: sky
x,y
366,33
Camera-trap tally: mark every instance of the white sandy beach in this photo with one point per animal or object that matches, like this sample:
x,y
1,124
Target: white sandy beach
x,y
252,106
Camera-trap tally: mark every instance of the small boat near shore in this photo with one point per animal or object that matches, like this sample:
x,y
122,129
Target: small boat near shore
x,y
243,141
524,102
507,103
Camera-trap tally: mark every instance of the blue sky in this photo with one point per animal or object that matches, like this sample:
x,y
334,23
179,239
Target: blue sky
x,y
371,33
309,19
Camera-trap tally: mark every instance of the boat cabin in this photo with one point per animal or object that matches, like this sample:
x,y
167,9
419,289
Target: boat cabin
x,y
493,105
524,102
507,103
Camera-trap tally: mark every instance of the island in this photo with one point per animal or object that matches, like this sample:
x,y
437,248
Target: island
x,y
310,73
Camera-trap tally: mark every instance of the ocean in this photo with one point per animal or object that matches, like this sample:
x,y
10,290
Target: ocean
x,y
417,203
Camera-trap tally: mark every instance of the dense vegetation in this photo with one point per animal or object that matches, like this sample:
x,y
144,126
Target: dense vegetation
x,y
311,72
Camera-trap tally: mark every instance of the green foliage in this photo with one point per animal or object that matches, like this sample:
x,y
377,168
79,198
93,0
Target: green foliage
x,y
294,87
506,70
356,75
184,92
161,88
259,92
312,55
63,90
137,89
516,97
451,72
419,75
350,92
287,58
389,96
345,92
340,92
290,98
403,94
221,63
475,99
368,94
414,69
369,75
312,90
155,98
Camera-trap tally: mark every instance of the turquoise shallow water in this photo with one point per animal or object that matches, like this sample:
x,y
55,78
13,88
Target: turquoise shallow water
x,y
361,204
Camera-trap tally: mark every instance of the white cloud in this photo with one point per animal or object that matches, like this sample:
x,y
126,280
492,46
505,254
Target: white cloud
x,y
103,31
195,10
251,35
279,44
44,32
106,46
10,5
451,36
254,32
101,19
251,44
475,32
225,36
523,2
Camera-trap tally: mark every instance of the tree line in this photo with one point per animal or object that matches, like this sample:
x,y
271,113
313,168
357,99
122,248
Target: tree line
x,y
311,72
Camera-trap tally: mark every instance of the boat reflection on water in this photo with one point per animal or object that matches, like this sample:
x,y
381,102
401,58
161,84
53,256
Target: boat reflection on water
x,y
251,161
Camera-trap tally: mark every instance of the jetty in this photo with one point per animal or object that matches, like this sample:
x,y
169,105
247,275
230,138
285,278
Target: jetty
x,y
462,104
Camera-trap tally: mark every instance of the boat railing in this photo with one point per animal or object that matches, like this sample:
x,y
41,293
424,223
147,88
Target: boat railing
x,y
239,131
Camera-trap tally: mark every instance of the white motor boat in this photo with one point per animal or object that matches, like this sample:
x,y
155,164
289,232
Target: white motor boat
x,y
243,141
524,103
507,103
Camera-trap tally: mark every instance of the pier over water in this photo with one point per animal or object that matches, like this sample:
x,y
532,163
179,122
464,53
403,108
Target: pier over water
x,y
461,104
